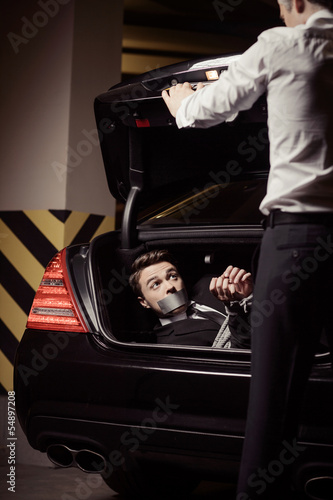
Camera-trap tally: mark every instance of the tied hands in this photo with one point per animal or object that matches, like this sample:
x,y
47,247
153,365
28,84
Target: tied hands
x,y
174,97
233,285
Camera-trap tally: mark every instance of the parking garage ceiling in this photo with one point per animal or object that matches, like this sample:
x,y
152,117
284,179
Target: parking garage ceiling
x,y
160,32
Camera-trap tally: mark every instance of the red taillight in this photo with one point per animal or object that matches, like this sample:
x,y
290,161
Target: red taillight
x,y
54,306
142,122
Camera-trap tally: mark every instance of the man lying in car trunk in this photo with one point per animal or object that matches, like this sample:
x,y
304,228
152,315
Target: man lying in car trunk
x,y
218,316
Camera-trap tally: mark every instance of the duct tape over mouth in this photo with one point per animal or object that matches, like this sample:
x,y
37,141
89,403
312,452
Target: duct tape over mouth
x,y
173,301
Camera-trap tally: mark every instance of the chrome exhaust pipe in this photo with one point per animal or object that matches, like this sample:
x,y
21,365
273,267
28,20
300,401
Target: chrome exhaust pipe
x,y
319,488
86,460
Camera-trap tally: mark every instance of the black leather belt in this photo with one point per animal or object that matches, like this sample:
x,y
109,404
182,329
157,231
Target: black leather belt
x,y
276,217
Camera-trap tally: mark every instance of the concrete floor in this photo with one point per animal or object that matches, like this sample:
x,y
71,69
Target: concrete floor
x,y
48,483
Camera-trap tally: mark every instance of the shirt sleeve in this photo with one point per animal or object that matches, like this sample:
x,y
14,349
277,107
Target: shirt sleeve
x,y
236,90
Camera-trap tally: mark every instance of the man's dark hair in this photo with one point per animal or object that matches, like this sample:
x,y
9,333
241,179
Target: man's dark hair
x,y
146,260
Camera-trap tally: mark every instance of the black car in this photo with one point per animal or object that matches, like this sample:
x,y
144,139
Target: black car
x,y
92,390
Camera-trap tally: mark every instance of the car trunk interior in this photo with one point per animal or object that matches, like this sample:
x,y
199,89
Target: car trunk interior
x,y
199,260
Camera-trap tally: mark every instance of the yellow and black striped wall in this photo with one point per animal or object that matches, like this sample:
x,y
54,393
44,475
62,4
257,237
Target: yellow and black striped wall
x,y
29,239
54,63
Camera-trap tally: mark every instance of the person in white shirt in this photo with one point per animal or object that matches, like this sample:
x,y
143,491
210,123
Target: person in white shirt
x,y
293,66
216,314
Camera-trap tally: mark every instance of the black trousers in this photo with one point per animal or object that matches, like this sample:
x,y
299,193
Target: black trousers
x,y
293,301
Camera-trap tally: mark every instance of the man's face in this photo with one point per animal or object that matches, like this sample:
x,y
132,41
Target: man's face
x,y
289,17
157,282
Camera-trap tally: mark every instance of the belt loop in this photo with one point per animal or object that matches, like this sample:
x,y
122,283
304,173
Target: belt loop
x,y
268,221
271,218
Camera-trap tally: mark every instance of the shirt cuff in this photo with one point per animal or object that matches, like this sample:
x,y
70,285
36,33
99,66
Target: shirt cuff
x,y
181,120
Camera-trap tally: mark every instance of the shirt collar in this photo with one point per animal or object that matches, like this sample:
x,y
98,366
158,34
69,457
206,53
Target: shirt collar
x,y
322,13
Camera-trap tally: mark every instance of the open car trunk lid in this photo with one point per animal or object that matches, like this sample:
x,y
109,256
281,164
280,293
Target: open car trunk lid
x,y
147,158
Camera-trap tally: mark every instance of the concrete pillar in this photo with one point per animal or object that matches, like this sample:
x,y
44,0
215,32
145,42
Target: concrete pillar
x,y
57,55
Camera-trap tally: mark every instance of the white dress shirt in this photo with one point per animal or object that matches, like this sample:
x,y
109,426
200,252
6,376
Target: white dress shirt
x,y
280,63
